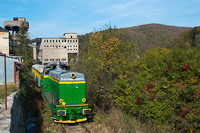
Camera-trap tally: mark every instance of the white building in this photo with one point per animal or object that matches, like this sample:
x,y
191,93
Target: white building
x,y
56,49
4,41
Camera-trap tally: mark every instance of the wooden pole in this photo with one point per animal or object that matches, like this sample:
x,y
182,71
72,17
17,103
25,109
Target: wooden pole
x,y
14,73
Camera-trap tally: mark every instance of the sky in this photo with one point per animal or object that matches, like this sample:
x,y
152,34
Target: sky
x,y
53,18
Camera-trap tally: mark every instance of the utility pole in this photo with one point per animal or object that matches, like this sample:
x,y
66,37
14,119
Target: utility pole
x,y
5,80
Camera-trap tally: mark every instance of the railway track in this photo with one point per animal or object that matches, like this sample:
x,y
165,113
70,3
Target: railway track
x,y
75,128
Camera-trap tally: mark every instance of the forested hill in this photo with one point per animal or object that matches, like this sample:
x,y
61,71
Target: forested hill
x,y
152,35
146,36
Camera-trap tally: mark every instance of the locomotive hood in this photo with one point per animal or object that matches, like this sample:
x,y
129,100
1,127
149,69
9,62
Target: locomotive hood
x,y
72,76
67,75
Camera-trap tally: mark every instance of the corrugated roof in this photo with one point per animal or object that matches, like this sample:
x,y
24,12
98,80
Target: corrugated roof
x,y
3,30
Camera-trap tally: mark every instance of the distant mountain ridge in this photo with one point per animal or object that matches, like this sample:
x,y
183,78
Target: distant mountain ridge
x,y
151,35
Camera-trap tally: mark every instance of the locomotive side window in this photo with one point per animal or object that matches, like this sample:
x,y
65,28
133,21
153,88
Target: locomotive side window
x,y
47,72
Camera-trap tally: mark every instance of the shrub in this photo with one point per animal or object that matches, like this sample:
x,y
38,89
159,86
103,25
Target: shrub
x,y
165,89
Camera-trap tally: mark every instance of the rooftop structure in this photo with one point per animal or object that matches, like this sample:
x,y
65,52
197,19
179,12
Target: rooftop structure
x,y
15,24
14,27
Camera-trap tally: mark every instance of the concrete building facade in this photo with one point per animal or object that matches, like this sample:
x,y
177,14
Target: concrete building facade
x,y
56,49
4,41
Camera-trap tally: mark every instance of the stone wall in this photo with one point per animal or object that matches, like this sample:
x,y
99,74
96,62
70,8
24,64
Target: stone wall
x,y
17,117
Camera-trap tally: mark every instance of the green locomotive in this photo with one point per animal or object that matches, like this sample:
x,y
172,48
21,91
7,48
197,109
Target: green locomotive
x,y
64,92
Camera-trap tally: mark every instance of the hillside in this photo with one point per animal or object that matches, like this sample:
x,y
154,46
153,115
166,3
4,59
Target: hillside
x,y
146,36
151,35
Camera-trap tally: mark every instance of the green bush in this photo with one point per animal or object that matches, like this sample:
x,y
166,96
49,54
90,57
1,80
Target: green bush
x,y
165,89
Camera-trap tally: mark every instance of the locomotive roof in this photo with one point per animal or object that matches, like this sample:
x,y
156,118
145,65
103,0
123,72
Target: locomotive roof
x,y
34,66
39,68
64,75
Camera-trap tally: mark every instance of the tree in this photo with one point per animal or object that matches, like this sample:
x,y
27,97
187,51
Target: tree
x,y
24,49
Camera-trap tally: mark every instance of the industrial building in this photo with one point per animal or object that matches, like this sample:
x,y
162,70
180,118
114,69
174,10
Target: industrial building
x,y
4,41
13,27
56,49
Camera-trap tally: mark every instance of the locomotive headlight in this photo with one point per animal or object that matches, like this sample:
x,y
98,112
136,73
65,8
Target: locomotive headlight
x,y
83,100
73,75
61,101
61,113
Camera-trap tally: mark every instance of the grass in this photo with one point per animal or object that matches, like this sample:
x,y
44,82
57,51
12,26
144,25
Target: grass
x,y
10,88
116,121
113,121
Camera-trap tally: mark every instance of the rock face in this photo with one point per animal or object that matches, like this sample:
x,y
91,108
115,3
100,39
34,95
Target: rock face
x,y
17,117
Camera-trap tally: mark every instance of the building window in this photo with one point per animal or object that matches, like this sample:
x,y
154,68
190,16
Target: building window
x,y
76,40
53,45
47,46
51,59
45,59
76,45
47,40
76,49
57,59
44,40
53,40
71,36
59,40
68,49
70,45
62,40
63,59
73,40
56,40
44,45
68,40
50,40
59,46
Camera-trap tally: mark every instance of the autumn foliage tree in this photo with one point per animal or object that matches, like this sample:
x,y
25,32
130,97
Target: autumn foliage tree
x,y
107,57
